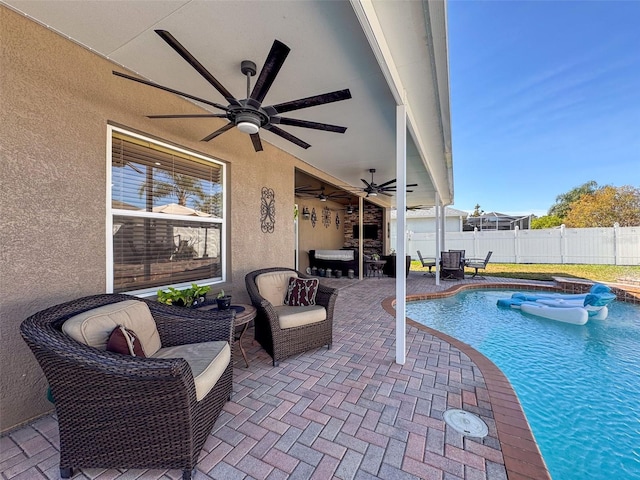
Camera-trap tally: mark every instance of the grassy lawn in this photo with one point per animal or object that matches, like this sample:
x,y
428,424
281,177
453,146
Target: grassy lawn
x,y
601,273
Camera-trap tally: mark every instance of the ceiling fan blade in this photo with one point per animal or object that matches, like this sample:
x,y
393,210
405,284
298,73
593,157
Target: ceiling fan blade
x,y
272,65
257,143
387,183
336,96
287,136
220,131
195,115
191,60
308,190
393,188
365,182
294,122
170,90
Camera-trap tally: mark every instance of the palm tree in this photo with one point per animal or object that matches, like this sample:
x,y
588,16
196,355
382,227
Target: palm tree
x,y
183,187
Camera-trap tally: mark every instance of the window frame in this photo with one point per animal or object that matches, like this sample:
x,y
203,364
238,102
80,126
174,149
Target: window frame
x,y
111,212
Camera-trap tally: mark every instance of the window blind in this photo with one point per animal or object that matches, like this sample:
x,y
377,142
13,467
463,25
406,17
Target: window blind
x,y
168,215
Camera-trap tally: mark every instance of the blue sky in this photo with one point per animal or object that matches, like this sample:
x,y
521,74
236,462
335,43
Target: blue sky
x,y
545,96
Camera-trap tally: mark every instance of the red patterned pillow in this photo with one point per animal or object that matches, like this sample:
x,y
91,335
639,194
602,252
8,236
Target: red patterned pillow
x,y
125,341
301,291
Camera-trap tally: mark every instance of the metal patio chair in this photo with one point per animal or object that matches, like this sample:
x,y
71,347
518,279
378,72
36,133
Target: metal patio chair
x,y
478,263
428,262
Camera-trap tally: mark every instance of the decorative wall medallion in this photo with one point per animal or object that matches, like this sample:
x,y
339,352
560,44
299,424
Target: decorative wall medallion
x,y
268,210
326,217
337,221
314,217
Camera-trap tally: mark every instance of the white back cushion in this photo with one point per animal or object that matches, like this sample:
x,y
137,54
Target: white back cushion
x,y
273,285
94,326
334,254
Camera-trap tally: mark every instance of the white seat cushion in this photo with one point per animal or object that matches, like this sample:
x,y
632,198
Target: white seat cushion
x,y
208,361
273,285
94,326
290,317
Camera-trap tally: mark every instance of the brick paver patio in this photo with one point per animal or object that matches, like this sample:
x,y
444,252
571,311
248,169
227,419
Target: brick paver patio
x,y
347,413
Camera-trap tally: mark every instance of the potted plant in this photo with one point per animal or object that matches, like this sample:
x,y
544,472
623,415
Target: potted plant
x,y
223,301
188,297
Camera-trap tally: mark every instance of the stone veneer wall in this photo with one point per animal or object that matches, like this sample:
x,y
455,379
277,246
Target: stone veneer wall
x,y
372,215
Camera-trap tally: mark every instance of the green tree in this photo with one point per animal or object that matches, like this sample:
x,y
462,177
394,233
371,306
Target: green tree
x,y
563,201
604,207
477,211
546,221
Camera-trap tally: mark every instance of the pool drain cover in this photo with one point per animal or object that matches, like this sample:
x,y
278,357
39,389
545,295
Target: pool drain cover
x,y
466,423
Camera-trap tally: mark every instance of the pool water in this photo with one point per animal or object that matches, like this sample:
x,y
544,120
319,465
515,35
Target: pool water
x,y
579,385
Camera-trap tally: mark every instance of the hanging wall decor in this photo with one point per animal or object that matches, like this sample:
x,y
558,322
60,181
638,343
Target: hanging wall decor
x,y
337,221
268,210
314,217
326,217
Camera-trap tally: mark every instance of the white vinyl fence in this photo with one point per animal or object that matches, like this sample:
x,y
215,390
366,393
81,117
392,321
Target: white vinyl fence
x,y
606,246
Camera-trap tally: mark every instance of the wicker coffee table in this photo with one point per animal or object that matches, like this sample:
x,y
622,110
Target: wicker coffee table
x,y
243,319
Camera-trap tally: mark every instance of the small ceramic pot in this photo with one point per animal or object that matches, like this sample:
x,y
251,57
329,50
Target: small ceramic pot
x,y
224,302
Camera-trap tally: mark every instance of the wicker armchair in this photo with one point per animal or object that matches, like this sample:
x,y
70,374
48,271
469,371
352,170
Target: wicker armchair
x,y
285,342
451,265
116,411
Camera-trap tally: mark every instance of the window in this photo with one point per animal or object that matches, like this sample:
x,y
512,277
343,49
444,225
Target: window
x,y
166,218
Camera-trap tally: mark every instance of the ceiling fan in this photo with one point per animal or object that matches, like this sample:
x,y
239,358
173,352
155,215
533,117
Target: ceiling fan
x,y
249,115
372,189
350,210
418,207
320,193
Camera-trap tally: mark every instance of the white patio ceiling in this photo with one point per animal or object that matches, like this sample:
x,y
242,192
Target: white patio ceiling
x,y
382,51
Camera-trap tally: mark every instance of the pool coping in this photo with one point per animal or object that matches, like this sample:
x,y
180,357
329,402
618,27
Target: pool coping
x,y
520,451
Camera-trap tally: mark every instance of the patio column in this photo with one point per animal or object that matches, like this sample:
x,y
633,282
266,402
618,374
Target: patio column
x,y
401,233
438,237
360,238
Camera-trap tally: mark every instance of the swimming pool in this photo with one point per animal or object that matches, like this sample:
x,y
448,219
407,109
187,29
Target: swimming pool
x,y
578,385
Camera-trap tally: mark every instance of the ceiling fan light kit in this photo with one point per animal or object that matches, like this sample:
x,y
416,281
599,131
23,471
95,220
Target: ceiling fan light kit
x,y
248,115
248,126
